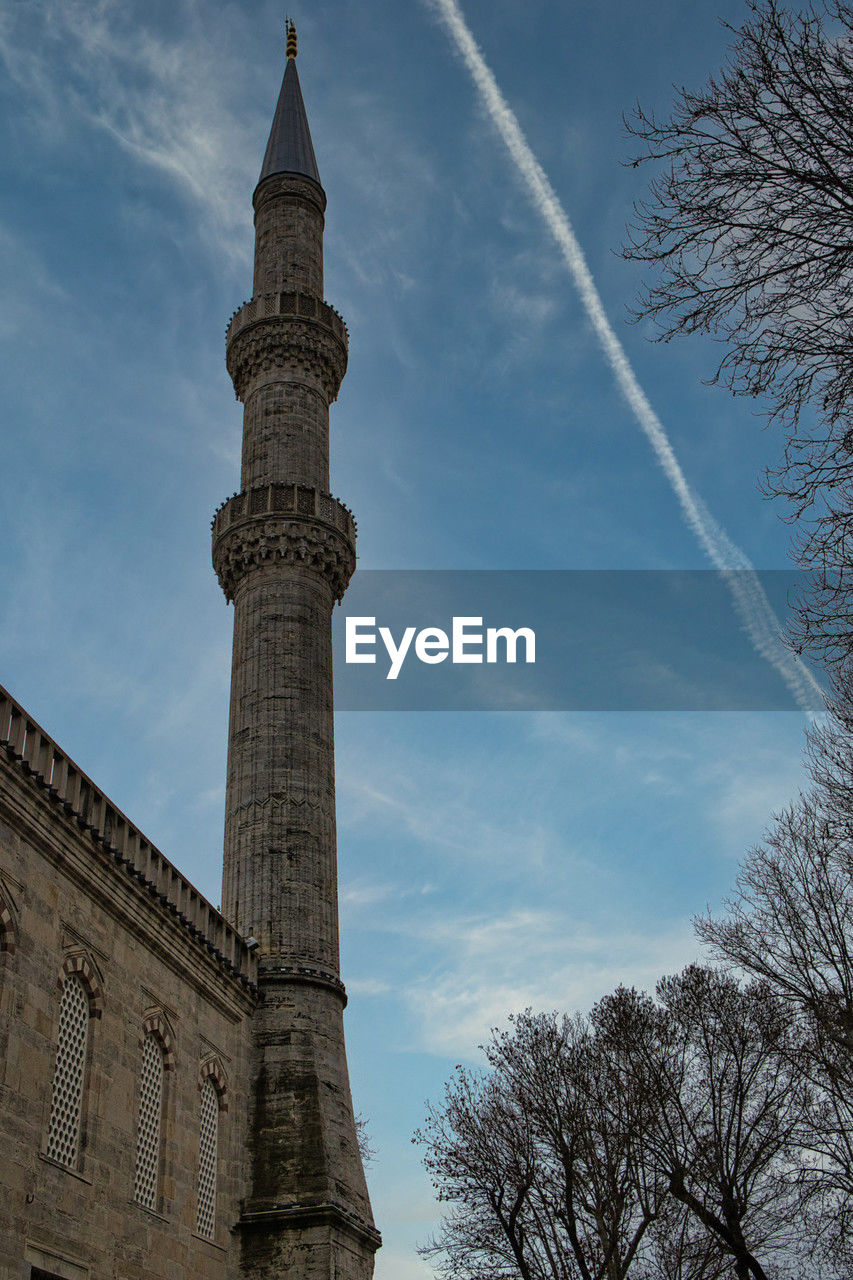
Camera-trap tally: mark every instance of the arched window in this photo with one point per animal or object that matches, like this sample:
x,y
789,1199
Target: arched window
x,y
66,1106
146,1181
208,1135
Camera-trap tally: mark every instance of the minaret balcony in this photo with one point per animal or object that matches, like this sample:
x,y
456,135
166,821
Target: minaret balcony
x,y
284,523
285,333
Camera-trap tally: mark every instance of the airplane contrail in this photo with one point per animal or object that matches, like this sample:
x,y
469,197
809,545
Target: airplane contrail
x,y
760,621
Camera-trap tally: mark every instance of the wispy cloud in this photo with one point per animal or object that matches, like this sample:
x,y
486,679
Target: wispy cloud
x,y
163,100
390,184
368,986
441,806
363,895
492,966
748,801
27,287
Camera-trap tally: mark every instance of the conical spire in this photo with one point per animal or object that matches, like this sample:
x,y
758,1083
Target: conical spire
x,y
290,149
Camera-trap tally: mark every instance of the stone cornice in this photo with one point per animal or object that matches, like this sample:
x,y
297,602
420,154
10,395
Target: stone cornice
x,y
289,186
295,1217
268,499
270,974
92,877
78,802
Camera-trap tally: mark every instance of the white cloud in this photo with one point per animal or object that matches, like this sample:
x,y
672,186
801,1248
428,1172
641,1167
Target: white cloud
x,y
749,801
366,894
162,99
367,987
445,805
533,308
494,966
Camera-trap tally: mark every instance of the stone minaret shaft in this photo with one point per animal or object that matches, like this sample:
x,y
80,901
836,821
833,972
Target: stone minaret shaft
x,y
284,551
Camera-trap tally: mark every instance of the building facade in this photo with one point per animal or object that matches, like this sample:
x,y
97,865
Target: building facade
x,y
174,1097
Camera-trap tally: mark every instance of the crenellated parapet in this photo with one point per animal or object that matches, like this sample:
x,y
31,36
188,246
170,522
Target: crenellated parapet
x,y
285,524
294,333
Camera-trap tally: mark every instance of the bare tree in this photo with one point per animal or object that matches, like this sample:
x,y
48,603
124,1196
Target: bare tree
x,y
362,1133
790,923
481,1155
654,1140
591,1132
750,226
730,1110
543,1159
680,1248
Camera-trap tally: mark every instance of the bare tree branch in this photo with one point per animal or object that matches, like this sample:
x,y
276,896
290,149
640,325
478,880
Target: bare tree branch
x,y
749,227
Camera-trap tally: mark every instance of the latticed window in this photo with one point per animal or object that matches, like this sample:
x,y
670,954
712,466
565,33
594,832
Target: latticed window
x,y
148,1135
208,1129
66,1106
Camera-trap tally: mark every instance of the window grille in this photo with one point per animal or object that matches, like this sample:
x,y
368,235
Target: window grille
x,y
207,1159
148,1135
63,1131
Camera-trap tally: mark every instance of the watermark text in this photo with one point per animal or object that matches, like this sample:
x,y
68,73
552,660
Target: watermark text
x,y
466,642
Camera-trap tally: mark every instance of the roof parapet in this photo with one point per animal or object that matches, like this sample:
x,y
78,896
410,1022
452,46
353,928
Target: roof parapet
x,y
83,802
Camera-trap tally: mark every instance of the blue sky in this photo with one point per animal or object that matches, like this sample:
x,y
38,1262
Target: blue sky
x,y
488,861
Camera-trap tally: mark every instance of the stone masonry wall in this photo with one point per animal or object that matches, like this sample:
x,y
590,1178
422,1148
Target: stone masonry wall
x,y
281,877
289,235
63,904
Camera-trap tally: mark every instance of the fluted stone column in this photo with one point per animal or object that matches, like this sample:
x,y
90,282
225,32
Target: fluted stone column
x,y
284,551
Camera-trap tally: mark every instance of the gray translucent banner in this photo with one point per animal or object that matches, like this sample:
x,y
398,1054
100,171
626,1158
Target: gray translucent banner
x,y
621,640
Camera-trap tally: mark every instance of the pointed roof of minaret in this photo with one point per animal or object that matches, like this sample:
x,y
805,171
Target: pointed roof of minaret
x,y
290,149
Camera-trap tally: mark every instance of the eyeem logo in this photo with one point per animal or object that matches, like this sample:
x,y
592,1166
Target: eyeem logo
x,y
466,643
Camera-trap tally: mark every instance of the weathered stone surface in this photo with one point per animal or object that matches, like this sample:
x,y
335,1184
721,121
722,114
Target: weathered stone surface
x,y
286,349
288,234
72,907
273,540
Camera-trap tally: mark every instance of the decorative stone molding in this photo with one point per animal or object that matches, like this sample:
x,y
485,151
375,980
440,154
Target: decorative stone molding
x,y
278,499
291,343
156,1025
44,1259
212,1069
303,973
8,922
291,303
292,186
294,1218
84,968
286,523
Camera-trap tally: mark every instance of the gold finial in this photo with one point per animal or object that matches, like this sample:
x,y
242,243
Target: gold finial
x,y
291,38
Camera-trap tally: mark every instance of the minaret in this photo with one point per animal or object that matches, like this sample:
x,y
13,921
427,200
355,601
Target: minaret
x,y
284,551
